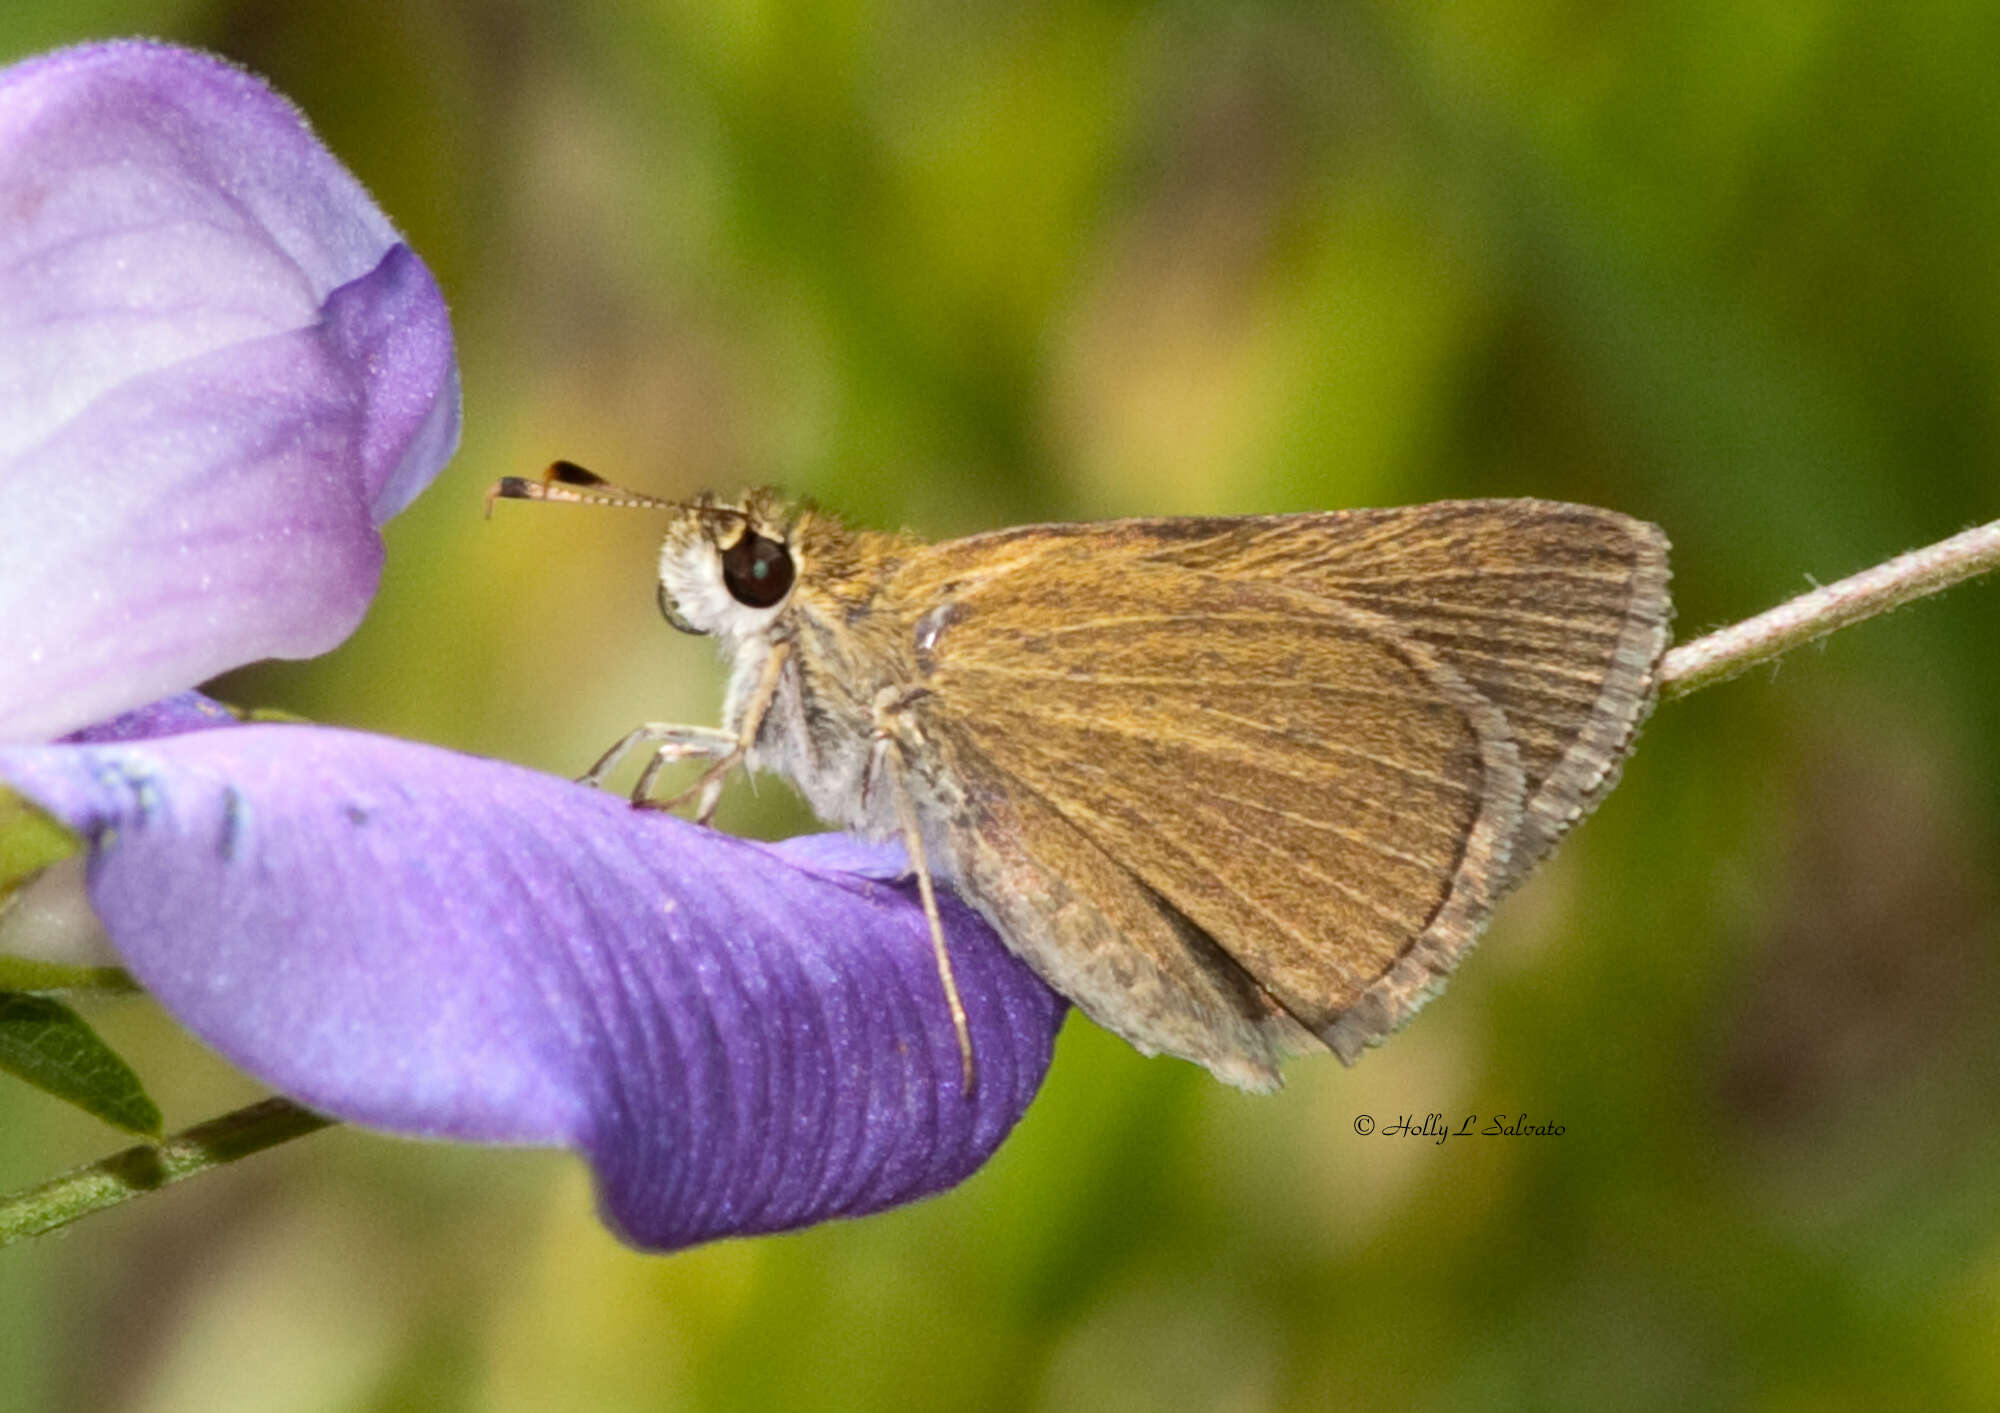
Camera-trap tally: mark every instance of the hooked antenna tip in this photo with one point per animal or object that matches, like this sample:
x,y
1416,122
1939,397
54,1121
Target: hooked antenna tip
x,y
567,481
510,488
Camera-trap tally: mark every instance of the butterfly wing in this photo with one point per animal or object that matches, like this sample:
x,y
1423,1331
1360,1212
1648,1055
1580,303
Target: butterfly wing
x,y
1218,780
1555,613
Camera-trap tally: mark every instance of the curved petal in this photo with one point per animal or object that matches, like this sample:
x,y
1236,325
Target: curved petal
x,y
169,716
220,370
737,1037
387,331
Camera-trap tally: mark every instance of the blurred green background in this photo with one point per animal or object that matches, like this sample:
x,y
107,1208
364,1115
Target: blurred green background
x,y
1730,267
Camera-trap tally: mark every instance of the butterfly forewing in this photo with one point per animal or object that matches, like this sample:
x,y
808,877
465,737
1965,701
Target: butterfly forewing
x,y
1322,744
1556,613
1294,781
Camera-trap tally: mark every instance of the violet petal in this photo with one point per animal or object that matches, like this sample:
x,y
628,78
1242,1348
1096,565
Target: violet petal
x,y
220,370
451,947
169,716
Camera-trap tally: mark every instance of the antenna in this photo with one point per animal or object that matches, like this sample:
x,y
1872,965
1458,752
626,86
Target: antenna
x,y
576,485
566,481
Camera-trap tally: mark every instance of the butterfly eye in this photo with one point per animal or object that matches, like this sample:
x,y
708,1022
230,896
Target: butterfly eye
x,y
756,571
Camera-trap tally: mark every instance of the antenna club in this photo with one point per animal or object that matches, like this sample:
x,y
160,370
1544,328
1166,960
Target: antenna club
x,y
566,481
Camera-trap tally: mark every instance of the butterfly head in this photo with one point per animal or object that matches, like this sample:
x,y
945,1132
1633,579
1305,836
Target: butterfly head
x,y
737,569
729,568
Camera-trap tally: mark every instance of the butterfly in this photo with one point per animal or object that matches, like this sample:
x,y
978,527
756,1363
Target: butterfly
x,y
1239,787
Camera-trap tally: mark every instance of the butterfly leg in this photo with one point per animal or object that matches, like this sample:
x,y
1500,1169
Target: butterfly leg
x,y
888,755
702,743
676,743
670,742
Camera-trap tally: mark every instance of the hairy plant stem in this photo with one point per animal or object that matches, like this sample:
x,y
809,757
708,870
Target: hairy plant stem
x,y
1718,656
123,1176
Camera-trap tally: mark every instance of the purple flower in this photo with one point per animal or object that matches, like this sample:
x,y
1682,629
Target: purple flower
x,y
220,371
740,1038
225,372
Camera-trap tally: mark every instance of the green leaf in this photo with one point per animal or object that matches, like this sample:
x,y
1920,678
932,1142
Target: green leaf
x,y
30,840
53,1048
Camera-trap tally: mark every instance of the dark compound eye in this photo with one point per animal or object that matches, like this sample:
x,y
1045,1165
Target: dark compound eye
x,y
756,571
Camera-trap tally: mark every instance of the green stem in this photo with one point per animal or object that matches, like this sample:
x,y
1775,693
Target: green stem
x,y
123,1176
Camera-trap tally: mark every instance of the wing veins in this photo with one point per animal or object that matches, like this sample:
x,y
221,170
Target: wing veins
x,y
1352,836
1442,831
1208,868
1501,615
1100,679
1427,777
1225,616
1532,668
1543,571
